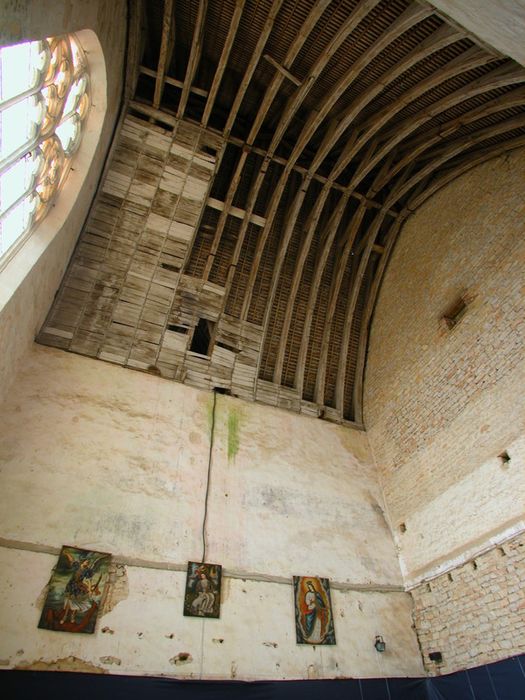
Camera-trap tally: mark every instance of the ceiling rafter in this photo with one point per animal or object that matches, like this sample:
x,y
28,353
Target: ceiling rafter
x,y
269,97
310,228
223,62
409,100
402,187
353,21
500,77
418,145
252,65
194,58
313,290
166,49
321,258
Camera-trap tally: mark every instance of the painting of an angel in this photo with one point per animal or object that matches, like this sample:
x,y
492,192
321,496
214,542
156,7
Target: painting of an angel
x,y
314,622
203,590
76,591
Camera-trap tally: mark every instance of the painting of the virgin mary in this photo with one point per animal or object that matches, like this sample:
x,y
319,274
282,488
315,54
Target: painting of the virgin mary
x,y
314,622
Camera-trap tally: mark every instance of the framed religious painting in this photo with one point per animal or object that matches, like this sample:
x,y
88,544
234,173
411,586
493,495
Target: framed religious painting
x,y
202,597
76,591
314,621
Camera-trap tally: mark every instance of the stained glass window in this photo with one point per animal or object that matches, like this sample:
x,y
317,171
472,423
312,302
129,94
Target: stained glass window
x,y
44,100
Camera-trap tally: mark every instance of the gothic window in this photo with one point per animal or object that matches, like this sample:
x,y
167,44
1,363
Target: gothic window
x,y
44,100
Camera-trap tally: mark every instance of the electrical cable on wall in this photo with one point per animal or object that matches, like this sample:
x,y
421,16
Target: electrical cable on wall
x,y
212,434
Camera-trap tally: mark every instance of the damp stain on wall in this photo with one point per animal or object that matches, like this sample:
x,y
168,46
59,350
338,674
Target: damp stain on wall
x,y
233,434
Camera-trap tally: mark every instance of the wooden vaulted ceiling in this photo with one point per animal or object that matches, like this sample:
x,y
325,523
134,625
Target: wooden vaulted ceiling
x,y
337,118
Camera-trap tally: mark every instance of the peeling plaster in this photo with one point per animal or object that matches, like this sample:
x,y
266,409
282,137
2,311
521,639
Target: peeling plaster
x,y
68,663
118,590
110,660
183,657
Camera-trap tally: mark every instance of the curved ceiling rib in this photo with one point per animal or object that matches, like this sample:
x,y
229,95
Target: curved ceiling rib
x,y
337,118
438,40
450,151
319,270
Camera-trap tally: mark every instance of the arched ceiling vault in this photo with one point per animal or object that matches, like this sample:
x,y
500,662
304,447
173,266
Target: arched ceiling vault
x,y
338,118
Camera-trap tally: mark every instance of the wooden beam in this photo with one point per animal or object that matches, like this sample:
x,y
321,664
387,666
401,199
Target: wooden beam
x,y
295,101
195,54
415,147
166,48
252,65
291,220
412,16
235,211
335,287
277,80
173,81
472,58
281,69
269,96
223,61
440,39
310,228
136,9
321,258
501,77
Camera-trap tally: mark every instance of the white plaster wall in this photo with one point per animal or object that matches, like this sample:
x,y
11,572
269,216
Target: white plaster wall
x,y
96,456
29,281
253,639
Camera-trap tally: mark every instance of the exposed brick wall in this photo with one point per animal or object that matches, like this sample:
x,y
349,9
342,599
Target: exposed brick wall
x,y
475,614
441,404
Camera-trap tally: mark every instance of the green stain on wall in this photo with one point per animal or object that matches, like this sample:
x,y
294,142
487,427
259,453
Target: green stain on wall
x,y
233,434
209,411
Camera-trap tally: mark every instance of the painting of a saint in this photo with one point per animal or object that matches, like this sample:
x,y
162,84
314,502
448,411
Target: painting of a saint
x,y
314,622
203,590
76,590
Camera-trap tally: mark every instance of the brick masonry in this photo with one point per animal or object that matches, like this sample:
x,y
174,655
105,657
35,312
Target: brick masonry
x,y
474,614
441,404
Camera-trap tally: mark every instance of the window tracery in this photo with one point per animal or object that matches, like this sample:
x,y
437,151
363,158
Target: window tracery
x,y
44,101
